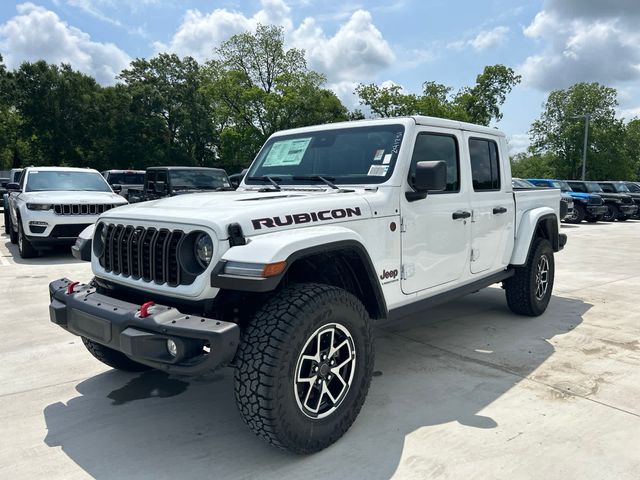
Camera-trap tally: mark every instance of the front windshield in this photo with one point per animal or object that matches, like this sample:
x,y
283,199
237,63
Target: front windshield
x,y
61,180
593,187
190,179
126,178
353,155
621,188
563,186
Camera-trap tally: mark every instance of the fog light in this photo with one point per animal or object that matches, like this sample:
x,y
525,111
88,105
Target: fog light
x,y
172,347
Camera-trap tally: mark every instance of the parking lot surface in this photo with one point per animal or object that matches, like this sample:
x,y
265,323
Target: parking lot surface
x,y
466,390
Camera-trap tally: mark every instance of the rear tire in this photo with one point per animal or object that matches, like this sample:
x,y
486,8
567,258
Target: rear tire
x,y
529,290
25,248
304,366
13,235
7,221
112,357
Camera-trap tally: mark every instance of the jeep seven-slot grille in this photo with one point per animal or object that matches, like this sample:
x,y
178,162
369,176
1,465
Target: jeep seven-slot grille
x,y
149,254
81,209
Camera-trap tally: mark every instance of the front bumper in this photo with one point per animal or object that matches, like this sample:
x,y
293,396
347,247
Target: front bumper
x,y
628,209
595,210
118,325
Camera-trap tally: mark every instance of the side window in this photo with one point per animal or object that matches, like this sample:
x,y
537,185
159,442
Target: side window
x,y
485,164
578,187
434,147
608,188
150,178
162,176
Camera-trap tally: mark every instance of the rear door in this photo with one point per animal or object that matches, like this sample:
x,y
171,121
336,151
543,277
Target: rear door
x,y
436,230
492,204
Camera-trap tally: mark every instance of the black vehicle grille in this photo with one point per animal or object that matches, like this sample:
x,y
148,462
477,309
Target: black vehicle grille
x,y
71,231
81,209
627,200
149,254
595,201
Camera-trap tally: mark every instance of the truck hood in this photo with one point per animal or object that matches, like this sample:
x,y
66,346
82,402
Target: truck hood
x,y
75,197
615,196
585,196
256,212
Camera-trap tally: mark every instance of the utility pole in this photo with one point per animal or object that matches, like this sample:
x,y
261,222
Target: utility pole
x,y
587,117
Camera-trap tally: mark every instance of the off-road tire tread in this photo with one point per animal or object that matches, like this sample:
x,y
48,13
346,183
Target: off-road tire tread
x,y
112,357
518,287
263,340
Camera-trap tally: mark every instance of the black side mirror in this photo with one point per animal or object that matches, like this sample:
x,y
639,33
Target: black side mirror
x,y
159,187
429,177
116,187
13,187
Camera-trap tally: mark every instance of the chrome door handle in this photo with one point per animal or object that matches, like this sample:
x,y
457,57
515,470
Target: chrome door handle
x,y
498,210
460,214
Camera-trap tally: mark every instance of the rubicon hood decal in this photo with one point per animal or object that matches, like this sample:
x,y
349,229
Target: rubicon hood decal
x,y
305,217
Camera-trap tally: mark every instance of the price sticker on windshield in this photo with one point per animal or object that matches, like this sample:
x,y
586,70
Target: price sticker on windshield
x,y
287,152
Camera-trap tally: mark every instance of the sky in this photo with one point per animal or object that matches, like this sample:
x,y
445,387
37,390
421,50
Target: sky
x,y
551,43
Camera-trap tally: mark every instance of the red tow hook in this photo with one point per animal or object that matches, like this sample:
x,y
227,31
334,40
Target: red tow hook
x,y
71,287
144,309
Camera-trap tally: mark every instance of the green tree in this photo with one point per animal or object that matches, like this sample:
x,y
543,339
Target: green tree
x,y
478,104
257,87
559,132
532,166
168,111
632,147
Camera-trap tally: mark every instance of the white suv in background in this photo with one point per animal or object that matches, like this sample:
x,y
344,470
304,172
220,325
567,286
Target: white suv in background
x,y
52,205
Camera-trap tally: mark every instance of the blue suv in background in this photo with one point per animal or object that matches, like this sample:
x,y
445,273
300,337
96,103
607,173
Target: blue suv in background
x,y
586,206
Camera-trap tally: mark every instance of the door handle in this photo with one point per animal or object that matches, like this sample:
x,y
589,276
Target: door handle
x,y
498,210
460,214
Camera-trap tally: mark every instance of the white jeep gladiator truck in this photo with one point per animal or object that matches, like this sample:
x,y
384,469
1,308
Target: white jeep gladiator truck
x,y
52,205
333,227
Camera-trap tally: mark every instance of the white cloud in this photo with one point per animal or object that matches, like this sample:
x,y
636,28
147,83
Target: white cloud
x,y
518,143
588,43
483,40
357,50
490,38
37,33
200,33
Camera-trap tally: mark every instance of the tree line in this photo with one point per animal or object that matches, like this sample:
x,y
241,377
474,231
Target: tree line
x,y
171,110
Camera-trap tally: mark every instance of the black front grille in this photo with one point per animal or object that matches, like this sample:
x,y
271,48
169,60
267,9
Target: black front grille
x,y
81,209
70,231
627,200
595,201
149,254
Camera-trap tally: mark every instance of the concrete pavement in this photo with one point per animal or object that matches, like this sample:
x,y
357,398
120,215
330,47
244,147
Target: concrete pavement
x,y
466,390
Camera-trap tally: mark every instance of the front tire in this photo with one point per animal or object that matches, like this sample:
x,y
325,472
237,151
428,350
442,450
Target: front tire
x,y
579,214
25,248
611,214
304,367
529,290
112,357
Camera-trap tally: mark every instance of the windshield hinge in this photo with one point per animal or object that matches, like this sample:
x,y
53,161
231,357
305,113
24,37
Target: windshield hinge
x,y
403,226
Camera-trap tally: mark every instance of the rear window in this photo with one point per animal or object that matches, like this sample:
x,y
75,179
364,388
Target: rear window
x,y
485,168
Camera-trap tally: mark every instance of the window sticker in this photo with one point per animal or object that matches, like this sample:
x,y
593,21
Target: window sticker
x,y
287,152
378,156
387,159
378,170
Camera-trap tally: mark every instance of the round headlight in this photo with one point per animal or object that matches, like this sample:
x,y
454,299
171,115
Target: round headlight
x,y
203,249
99,239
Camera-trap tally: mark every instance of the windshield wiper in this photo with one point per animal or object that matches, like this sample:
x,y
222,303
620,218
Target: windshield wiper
x,y
271,180
320,178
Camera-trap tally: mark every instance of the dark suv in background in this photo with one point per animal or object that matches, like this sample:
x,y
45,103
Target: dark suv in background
x,y
586,206
619,206
622,187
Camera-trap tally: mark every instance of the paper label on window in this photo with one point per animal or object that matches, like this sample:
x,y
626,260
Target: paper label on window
x,y
387,159
378,170
378,156
287,152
